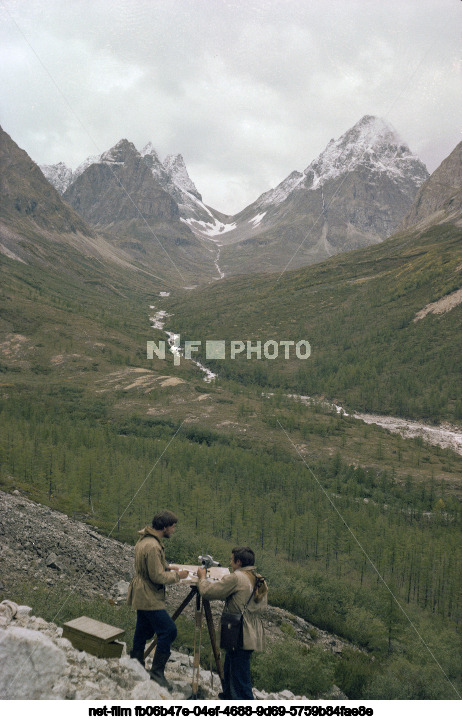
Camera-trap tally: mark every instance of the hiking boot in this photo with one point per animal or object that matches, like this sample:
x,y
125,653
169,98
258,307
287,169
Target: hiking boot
x,y
157,669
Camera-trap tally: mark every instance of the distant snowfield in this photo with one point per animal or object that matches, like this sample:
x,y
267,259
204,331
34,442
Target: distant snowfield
x,y
210,229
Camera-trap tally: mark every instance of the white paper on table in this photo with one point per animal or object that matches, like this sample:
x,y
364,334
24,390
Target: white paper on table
x,y
213,574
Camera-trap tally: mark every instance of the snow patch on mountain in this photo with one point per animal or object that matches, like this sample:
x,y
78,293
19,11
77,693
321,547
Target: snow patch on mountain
x,y
117,155
372,143
149,149
174,178
277,195
152,160
83,166
176,169
257,219
209,229
59,175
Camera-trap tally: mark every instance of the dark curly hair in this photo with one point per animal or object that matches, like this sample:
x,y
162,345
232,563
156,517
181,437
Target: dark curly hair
x,y
163,519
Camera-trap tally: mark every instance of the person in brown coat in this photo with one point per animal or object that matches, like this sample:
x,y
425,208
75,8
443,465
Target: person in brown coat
x,y
236,589
146,593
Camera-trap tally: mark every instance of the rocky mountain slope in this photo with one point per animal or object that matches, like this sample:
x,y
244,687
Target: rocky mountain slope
x,y
25,195
38,228
353,195
45,546
131,199
105,193
440,197
171,174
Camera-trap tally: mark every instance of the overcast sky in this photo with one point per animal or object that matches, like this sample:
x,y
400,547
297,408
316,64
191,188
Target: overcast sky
x,y
246,90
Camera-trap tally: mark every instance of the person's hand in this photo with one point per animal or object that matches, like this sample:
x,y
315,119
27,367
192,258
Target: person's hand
x,y
201,573
183,574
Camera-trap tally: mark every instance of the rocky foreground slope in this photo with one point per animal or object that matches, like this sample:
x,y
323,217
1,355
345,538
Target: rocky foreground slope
x,y
40,545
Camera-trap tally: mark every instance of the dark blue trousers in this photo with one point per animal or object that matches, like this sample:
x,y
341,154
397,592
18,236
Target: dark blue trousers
x,y
149,623
238,684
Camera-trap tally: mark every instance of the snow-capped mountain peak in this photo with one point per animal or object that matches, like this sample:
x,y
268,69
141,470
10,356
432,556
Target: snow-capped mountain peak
x,y
371,142
118,153
86,164
149,149
152,160
176,169
59,175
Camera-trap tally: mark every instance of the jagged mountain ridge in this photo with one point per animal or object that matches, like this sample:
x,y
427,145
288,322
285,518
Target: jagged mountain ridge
x,y
171,174
38,226
131,199
105,194
354,194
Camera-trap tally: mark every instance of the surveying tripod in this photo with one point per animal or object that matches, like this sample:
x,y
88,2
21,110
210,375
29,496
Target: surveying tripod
x,y
202,605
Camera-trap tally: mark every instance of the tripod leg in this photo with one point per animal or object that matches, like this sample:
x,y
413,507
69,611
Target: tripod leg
x,y
197,645
213,640
180,608
183,605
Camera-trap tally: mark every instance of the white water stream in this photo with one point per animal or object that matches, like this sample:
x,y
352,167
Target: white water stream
x,y
158,322
221,274
444,435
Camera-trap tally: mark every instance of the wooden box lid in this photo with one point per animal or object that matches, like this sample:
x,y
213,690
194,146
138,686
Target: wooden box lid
x,y
96,629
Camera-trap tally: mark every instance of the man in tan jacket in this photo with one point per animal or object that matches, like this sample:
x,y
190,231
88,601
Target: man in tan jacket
x,y
146,593
244,587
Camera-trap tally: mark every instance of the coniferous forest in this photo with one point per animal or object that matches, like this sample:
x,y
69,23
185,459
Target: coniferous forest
x,y
356,529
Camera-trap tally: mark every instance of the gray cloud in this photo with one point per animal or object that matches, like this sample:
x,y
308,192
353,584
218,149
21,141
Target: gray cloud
x,y
247,91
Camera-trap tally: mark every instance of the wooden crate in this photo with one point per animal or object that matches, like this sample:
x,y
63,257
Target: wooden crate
x,y
95,637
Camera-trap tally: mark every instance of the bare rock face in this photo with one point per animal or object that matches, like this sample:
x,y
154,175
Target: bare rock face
x,y
441,194
120,188
30,664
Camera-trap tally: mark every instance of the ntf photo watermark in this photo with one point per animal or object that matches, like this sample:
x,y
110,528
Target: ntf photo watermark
x,y
222,349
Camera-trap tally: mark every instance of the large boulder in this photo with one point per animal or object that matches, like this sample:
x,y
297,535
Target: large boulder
x,y
30,664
